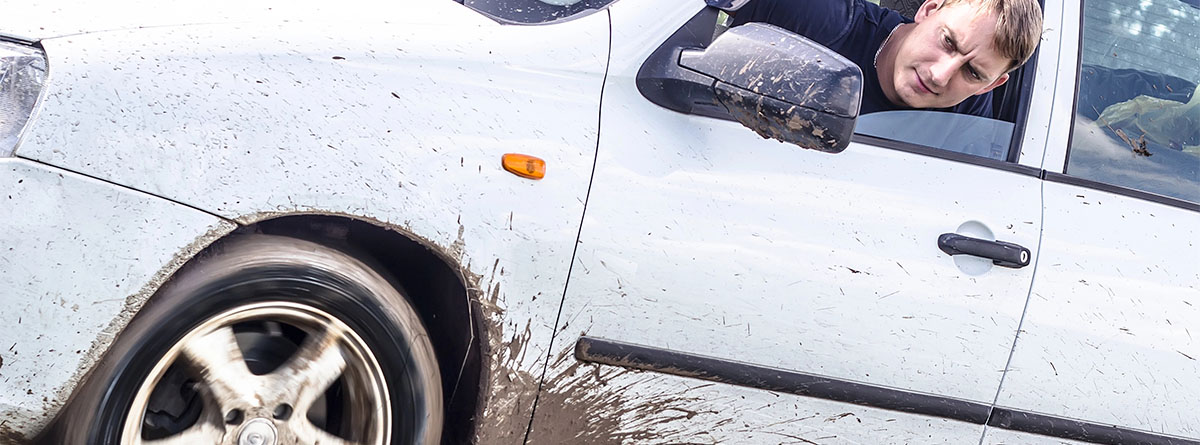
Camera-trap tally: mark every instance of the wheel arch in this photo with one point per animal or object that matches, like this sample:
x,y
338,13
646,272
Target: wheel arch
x,y
432,280
436,286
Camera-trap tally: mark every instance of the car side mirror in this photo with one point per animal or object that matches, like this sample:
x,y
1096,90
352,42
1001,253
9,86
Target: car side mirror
x,y
782,85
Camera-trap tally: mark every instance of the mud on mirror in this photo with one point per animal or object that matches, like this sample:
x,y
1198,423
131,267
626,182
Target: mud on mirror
x,y
779,84
782,85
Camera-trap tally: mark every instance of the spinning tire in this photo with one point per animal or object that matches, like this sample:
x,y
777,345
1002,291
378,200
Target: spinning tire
x,y
269,340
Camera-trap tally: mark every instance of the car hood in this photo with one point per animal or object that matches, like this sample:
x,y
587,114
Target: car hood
x,y
37,20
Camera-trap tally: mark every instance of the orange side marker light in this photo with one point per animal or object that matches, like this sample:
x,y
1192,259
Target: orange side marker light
x,y
524,166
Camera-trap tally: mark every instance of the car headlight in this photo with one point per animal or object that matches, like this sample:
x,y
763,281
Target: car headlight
x,y
22,71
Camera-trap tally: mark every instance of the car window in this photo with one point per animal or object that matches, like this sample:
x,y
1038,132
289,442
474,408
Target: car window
x,y
534,11
1137,114
961,133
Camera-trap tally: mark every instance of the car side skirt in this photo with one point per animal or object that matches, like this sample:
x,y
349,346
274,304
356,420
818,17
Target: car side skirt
x,y
631,356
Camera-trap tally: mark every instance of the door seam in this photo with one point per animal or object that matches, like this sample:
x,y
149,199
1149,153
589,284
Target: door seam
x,y
1024,310
578,234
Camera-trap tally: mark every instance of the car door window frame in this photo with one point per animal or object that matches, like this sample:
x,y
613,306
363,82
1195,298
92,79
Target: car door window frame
x,y
658,71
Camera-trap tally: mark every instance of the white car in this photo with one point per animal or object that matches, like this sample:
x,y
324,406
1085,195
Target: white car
x,y
536,221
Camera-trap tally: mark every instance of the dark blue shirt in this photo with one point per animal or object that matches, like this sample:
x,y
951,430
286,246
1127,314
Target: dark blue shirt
x,y
853,28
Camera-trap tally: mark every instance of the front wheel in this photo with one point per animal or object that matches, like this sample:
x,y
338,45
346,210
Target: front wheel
x,y
268,341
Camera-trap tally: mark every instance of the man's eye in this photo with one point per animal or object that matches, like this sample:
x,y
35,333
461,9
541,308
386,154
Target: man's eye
x,y
974,74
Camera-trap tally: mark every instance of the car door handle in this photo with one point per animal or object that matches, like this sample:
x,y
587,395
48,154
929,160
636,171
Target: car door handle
x,y
1001,253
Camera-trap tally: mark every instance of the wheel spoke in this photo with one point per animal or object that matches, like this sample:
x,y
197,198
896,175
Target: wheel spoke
x,y
200,433
305,433
219,364
316,365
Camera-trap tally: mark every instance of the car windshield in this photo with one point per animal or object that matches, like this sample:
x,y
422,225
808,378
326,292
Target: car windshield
x,y
534,11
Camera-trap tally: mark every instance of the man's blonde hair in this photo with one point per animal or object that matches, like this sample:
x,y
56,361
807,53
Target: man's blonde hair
x,y
1018,26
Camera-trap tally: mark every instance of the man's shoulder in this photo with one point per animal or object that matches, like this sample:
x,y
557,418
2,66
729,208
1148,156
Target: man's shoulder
x,y
824,21
880,16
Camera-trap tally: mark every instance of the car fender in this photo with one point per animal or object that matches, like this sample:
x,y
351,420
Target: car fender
x,y
403,125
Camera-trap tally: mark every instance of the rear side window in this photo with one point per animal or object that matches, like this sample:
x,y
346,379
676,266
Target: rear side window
x,y
1137,114
531,12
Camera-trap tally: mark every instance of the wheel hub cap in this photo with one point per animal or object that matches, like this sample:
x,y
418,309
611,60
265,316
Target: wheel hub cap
x,y
257,432
326,352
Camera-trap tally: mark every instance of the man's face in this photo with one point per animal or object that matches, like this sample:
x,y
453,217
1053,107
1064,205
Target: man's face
x,y
947,57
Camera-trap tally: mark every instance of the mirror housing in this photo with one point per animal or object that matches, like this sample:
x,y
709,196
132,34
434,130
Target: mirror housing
x,y
782,85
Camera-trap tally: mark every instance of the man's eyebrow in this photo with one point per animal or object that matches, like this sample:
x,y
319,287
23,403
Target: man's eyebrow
x,y
954,46
953,39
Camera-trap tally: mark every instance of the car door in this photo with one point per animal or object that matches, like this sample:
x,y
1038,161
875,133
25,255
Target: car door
x,y
1106,353
776,293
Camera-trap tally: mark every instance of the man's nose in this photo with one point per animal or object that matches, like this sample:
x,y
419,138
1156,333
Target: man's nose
x,y
942,71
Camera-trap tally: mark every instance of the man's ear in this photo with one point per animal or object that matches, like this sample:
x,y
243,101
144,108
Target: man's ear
x,y
926,9
999,81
